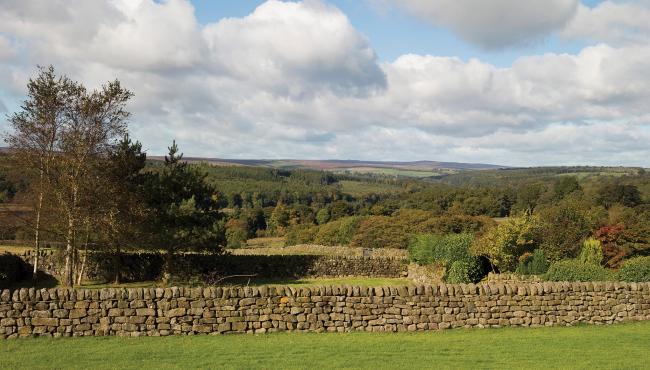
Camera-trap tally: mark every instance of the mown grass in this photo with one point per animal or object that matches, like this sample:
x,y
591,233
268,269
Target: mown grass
x,y
584,347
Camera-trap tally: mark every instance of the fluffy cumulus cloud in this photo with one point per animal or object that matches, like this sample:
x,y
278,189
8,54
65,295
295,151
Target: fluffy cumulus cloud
x,y
617,22
296,79
493,24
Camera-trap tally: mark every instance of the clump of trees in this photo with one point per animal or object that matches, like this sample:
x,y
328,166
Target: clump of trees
x,y
88,183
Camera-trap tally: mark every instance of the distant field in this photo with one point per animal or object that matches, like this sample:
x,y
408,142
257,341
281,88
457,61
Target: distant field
x,y
584,347
393,172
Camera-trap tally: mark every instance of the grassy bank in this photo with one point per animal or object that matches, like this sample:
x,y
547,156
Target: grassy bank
x,y
587,347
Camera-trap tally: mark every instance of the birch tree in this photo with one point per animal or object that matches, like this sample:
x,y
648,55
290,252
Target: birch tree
x,y
35,135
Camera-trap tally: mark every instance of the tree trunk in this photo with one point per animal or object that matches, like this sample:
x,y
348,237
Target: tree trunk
x,y
37,232
84,258
167,274
116,264
69,252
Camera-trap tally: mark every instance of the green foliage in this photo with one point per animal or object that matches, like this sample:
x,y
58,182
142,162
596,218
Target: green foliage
x,y
380,232
534,263
562,228
592,252
627,195
463,272
300,234
451,251
183,214
323,216
236,233
430,248
456,224
572,270
279,219
565,185
503,244
635,269
338,232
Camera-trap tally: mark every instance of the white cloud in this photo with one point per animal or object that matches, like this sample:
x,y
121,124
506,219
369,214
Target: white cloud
x,y
612,22
295,79
295,47
493,24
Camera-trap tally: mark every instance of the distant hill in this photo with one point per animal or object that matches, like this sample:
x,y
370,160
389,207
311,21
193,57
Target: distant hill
x,y
407,169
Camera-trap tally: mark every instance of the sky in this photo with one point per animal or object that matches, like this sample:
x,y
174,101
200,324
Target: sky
x,y
510,82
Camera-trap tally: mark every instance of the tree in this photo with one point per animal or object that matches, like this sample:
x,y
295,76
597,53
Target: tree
x,y
503,245
565,185
36,135
322,216
93,122
562,230
627,195
123,208
279,219
184,215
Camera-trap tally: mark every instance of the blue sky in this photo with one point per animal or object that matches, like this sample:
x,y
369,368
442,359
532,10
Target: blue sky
x,y
522,83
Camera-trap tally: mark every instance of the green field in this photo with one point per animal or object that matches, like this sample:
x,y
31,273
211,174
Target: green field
x,y
584,347
354,281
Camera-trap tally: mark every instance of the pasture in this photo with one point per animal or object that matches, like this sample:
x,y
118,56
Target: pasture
x,y
622,346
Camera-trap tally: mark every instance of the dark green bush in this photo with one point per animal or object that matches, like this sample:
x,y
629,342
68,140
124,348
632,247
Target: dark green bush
x,y
12,269
635,269
534,263
572,270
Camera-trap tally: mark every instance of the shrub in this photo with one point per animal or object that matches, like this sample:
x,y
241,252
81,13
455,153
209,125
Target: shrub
x,y
328,234
323,216
300,234
572,270
236,233
635,269
381,232
348,228
12,269
503,244
339,232
460,272
534,263
592,252
449,251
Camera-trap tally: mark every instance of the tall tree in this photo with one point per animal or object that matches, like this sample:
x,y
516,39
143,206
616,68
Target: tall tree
x,y
93,122
36,134
184,213
123,208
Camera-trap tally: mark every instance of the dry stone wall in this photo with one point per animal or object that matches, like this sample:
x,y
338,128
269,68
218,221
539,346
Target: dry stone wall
x,y
149,266
216,310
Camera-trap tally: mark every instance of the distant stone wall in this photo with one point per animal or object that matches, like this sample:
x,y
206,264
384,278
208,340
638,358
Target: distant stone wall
x,y
215,310
149,266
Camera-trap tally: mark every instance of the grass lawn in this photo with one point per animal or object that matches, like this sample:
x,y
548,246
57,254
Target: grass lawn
x,y
587,347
